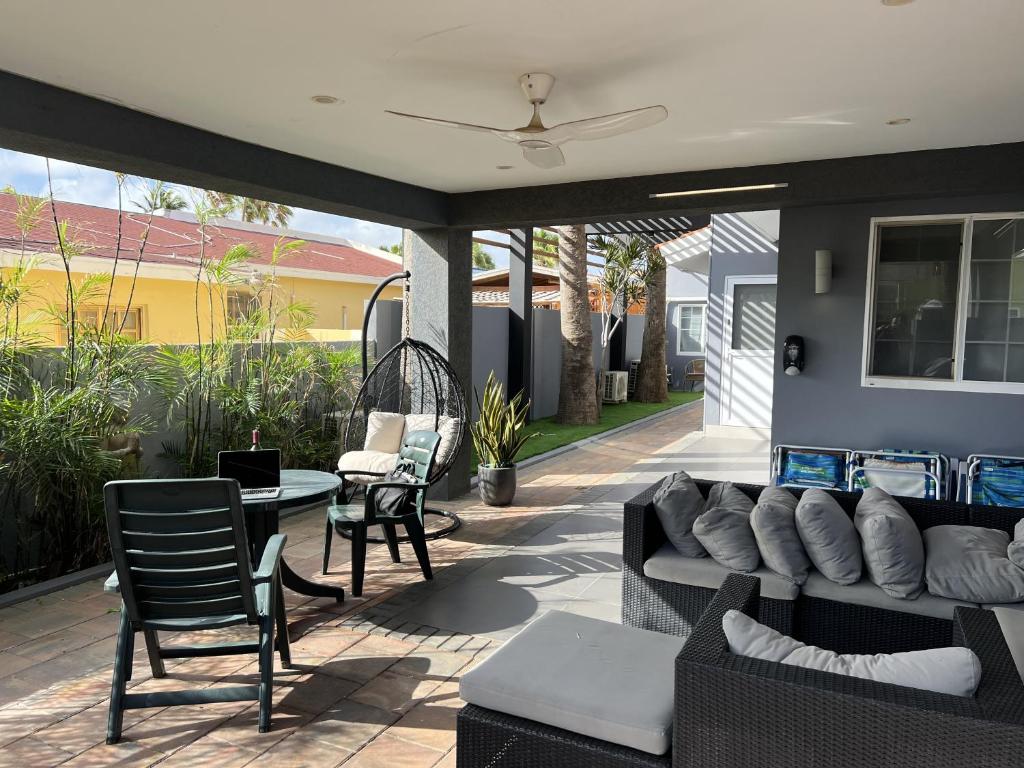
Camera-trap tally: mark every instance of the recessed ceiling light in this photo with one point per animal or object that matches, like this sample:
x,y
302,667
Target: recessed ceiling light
x,y
322,98
504,167
896,2
898,121
716,190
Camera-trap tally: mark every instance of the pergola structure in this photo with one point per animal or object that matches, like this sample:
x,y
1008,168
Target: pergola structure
x,y
48,120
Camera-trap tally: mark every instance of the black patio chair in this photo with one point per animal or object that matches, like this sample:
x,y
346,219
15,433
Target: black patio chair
x,y
418,452
182,565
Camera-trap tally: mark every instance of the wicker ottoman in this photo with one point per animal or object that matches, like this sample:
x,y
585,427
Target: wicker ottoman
x,y
570,690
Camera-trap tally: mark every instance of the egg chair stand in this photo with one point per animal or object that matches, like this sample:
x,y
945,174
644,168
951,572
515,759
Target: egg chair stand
x,y
414,379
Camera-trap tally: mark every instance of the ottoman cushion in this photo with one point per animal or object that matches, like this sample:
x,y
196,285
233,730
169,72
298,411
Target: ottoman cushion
x,y
587,676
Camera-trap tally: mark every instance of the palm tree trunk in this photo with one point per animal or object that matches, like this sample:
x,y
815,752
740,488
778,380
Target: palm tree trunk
x,y
577,402
651,383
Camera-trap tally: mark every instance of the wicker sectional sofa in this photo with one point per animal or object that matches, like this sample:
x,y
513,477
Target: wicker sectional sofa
x,y
665,592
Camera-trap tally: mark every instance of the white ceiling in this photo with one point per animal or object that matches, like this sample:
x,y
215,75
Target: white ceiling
x,y
745,81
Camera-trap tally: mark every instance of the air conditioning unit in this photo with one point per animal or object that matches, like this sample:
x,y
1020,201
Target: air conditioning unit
x,y
634,367
615,385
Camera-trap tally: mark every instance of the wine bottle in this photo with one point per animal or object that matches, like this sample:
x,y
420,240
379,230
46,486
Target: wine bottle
x,y
255,439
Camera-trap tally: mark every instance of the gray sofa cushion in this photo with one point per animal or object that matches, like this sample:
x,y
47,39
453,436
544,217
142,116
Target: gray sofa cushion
x,y
677,503
1015,551
864,592
829,537
1011,622
966,562
668,565
727,536
774,524
591,677
891,544
729,496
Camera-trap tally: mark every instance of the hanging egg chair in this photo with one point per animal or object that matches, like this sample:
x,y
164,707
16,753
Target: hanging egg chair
x,y
412,379
411,387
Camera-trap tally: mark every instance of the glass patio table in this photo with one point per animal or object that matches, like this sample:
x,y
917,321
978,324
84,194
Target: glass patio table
x,y
300,489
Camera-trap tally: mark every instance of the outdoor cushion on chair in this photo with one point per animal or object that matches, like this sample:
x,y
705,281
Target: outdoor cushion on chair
x,y
377,462
955,671
967,562
677,503
590,677
384,432
865,593
892,546
829,537
668,565
773,521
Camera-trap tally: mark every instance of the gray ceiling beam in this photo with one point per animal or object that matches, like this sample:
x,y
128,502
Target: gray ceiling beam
x,y
45,120
929,173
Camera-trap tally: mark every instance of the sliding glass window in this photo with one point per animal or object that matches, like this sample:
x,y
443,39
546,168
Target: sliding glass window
x,y
946,304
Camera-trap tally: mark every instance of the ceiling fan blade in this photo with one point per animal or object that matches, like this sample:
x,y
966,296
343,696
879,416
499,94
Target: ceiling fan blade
x,y
604,126
544,157
449,123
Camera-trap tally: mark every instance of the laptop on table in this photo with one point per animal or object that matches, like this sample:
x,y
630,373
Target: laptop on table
x,y
257,472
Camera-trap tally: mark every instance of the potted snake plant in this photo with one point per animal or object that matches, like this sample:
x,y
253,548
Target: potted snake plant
x,y
498,437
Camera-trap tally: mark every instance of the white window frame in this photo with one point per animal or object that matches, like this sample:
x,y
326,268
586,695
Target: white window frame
x,y
677,321
957,383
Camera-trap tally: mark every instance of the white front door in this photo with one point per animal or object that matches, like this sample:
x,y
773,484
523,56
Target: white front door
x,y
748,351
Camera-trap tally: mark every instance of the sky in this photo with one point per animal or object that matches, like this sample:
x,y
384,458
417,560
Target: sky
x,y
94,186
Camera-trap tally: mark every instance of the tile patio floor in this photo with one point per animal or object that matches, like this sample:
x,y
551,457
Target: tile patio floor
x,y
375,681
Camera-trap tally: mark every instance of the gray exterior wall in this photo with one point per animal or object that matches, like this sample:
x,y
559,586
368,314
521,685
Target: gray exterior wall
x,y
826,404
680,285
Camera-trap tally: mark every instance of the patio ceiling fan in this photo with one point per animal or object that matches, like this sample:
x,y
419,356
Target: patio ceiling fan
x,y
539,143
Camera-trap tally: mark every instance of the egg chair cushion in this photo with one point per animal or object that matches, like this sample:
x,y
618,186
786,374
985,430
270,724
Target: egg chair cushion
x,y
376,462
384,432
446,427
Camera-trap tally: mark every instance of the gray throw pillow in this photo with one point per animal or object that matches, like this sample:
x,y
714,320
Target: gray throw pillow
x,y
774,524
1015,551
892,546
727,536
829,537
729,496
677,503
965,562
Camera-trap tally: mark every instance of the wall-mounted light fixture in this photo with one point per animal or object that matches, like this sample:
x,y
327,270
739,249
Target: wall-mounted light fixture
x,y
822,271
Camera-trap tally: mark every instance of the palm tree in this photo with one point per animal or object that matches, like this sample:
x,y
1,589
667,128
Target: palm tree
x,y
546,254
481,258
577,395
157,196
651,383
252,210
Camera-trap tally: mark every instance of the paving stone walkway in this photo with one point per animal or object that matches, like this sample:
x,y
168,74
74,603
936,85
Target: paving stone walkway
x,y
375,681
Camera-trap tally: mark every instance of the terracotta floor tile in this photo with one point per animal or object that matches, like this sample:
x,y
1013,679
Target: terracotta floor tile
x,y
242,728
86,729
393,692
432,664
211,751
126,754
313,693
389,752
301,750
30,751
349,724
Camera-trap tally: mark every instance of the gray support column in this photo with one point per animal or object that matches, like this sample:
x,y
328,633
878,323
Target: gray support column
x,y
441,314
520,319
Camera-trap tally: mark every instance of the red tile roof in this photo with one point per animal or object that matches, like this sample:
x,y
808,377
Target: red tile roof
x,y
173,241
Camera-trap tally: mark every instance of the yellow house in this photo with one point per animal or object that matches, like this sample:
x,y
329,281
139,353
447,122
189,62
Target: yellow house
x,y
153,290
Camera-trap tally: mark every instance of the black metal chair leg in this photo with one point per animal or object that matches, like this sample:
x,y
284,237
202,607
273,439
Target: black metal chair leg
x,y
283,642
328,535
419,544
156,664
391,537
358,557
122,674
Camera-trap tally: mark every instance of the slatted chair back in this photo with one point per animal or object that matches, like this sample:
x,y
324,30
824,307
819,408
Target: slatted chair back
x,y
419,449
181,553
